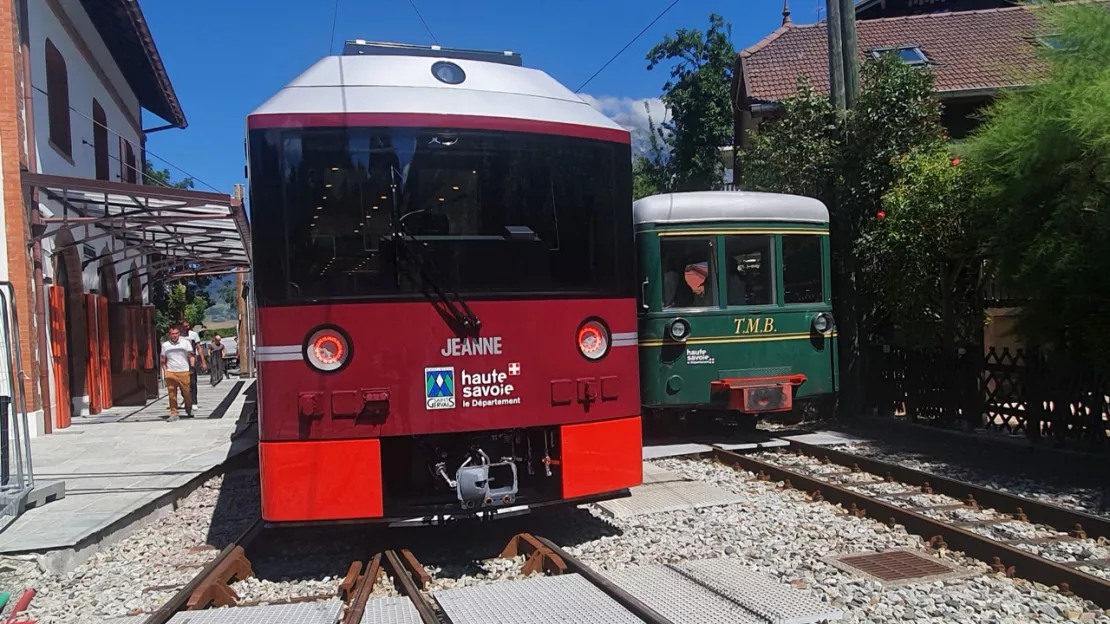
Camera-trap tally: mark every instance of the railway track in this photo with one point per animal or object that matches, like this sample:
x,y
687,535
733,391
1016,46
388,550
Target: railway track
x,y
1001,529
359,591
558,587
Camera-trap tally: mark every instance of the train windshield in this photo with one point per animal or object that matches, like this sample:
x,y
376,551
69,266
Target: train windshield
x,y
488,213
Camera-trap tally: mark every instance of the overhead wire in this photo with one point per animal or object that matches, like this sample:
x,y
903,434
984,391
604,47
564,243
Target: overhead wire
x,y
334,19
148,152
626,46
423,21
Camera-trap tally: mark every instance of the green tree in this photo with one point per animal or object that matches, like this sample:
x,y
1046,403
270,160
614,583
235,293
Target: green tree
x,y
797,152
1045,154
851,161
225,292
920,264
161,177
697,95
180,303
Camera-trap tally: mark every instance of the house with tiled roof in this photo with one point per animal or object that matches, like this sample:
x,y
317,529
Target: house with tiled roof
x,y
975,55
873,9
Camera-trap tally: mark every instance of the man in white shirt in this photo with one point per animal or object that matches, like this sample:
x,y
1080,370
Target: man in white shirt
x,y
192,336
177,363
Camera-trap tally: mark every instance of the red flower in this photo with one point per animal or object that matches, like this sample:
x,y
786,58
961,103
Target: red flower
x,y
955,162
881,214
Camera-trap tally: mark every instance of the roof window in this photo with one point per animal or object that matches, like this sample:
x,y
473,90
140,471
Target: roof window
x,y
910,55
1055,42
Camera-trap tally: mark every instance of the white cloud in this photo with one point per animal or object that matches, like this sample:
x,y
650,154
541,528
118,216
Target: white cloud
x,y
632,115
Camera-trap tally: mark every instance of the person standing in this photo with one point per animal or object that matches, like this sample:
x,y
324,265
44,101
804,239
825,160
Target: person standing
x,y
177,363
215,356
199,363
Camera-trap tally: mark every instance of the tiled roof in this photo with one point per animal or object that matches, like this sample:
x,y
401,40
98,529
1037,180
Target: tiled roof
x,y
968,50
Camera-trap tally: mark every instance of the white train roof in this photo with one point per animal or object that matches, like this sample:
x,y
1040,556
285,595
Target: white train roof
x,y
702,206
404,85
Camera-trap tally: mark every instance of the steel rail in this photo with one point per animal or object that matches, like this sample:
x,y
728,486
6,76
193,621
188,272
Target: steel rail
x,y
999,555
360,594
181,598
1038,512
409,588
626,600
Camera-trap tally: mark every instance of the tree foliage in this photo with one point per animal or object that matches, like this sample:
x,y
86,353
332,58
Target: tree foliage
x,y
920,263
700,121
1045,156
181,303
887,154
161,177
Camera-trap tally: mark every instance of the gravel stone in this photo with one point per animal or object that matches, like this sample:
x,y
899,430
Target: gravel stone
x,y
1087,499
140,572
776,532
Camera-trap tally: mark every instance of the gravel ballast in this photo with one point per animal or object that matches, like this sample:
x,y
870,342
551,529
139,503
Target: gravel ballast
x,y
140,572
773,531
1055,491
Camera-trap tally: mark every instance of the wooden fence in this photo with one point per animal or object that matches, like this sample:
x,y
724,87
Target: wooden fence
x,y
1012,392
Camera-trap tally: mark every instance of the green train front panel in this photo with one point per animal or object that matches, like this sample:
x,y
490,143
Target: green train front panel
x,y
750,295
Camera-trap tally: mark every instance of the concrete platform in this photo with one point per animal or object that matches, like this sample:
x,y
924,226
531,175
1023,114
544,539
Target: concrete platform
x,y
824,438
754,445
123,465
667,496
658,451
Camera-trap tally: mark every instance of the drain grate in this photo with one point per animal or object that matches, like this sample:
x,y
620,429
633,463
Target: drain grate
x,y
897,567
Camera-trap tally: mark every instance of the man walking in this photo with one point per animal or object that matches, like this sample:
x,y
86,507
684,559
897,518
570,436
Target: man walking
x,y
177,362
199,362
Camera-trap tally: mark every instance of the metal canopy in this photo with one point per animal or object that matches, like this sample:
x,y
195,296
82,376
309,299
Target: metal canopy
x,y
181,232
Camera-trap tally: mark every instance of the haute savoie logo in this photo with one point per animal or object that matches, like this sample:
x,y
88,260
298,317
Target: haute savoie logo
x,y
439,387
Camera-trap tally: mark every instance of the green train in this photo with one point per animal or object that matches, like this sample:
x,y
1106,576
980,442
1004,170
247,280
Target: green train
x,y
735,305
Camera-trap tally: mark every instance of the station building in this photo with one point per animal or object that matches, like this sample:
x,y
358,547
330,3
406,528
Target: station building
x,y
87,236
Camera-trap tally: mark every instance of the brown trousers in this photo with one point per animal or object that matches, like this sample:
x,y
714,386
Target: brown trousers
x,y
174,382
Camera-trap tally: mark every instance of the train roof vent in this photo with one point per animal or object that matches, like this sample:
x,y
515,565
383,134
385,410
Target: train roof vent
x,y
358,47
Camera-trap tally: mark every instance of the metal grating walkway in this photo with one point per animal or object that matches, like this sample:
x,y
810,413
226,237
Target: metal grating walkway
x,y
773,601
391,610
567,599
326,612
653,474
679,599
668,496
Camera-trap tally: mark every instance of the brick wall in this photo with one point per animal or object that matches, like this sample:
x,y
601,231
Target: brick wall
x,y
16,227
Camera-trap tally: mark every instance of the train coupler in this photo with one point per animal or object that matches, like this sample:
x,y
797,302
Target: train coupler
x,y
486,484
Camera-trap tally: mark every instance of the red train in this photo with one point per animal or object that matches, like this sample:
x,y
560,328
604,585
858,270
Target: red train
x,y
445,288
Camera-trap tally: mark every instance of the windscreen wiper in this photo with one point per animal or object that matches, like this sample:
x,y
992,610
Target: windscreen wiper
x,y
449,300
467,323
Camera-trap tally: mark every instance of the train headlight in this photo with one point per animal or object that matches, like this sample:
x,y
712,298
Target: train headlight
x,y
593,339
823,323
327,349
679,330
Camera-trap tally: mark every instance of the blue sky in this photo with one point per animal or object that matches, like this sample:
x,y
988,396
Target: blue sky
x,y
225,57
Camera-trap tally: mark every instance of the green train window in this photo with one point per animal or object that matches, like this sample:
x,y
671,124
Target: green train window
x,y
749,269
801,269
689,275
